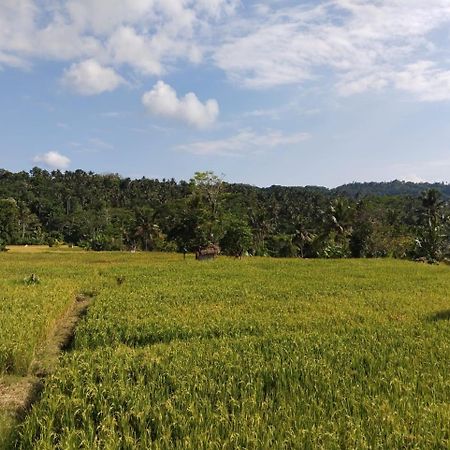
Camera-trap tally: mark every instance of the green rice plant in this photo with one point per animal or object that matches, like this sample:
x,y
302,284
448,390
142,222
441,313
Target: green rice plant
x,y
29,310
254,354
300,390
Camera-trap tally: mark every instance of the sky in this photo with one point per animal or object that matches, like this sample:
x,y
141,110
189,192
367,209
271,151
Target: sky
x,y
262,92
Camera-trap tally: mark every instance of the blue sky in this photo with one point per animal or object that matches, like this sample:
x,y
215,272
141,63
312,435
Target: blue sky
x,y
263,92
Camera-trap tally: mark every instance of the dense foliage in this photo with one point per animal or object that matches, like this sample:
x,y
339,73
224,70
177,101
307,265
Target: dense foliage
x,y
108,212
392,188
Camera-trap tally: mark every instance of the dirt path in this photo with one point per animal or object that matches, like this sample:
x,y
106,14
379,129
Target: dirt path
x,y
17,394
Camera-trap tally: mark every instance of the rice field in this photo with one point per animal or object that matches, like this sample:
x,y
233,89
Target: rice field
x,y
255,353
29,310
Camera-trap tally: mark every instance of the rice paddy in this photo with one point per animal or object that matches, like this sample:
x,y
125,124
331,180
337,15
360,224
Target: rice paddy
x,y
255,353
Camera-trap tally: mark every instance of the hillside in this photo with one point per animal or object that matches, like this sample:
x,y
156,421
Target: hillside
x,y
395,187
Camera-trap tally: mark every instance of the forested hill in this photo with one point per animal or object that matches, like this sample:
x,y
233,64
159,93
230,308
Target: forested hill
x,y
12,184
396,187
358,190
109,212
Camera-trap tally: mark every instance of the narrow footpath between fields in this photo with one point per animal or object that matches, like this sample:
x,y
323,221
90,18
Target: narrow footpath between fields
x,y
17,394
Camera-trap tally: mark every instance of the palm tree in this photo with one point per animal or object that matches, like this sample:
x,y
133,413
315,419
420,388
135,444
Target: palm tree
x,y
302,238
145,227
433,219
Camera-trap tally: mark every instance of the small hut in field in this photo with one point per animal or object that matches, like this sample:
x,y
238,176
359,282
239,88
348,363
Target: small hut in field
x,y
209,251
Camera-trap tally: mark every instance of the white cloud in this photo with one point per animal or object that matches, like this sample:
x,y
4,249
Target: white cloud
x,y
53,160
128,47
359,44
90,78
162,101
354,45
103,16
12,61
356,83
245,142
425,80
278,112
148,36
114,114
217,8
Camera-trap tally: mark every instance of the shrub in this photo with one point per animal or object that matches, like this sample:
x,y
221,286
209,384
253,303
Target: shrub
x,y
31,279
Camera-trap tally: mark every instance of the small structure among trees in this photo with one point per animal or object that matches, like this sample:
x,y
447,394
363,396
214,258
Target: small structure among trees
x,y
108,212
208,252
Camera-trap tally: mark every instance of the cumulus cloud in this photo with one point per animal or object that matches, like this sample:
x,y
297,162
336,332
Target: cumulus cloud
x,y
245,142
90,78
126,46
53,160
356,45
146,36
162,101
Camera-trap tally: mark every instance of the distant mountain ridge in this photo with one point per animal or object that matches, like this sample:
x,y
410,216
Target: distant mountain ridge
x,y
395,187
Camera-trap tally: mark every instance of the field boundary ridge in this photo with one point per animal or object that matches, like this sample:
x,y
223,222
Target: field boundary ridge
x,y
19,393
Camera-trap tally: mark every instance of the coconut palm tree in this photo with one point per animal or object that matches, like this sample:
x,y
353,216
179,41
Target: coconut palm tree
x,y
433,220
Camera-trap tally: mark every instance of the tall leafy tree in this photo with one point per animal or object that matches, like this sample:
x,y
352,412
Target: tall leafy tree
x,y
207,200
9,221
237,238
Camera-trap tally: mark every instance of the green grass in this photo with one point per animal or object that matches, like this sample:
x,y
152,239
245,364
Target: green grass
x,y
7,424
28,312
256,354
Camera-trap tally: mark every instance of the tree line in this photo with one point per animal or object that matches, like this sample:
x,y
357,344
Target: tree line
x,y
109,212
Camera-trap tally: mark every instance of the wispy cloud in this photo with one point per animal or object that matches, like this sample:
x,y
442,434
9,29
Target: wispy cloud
x,y
363,45
358,45
91,145
114,114
277,113
244,142
426,80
